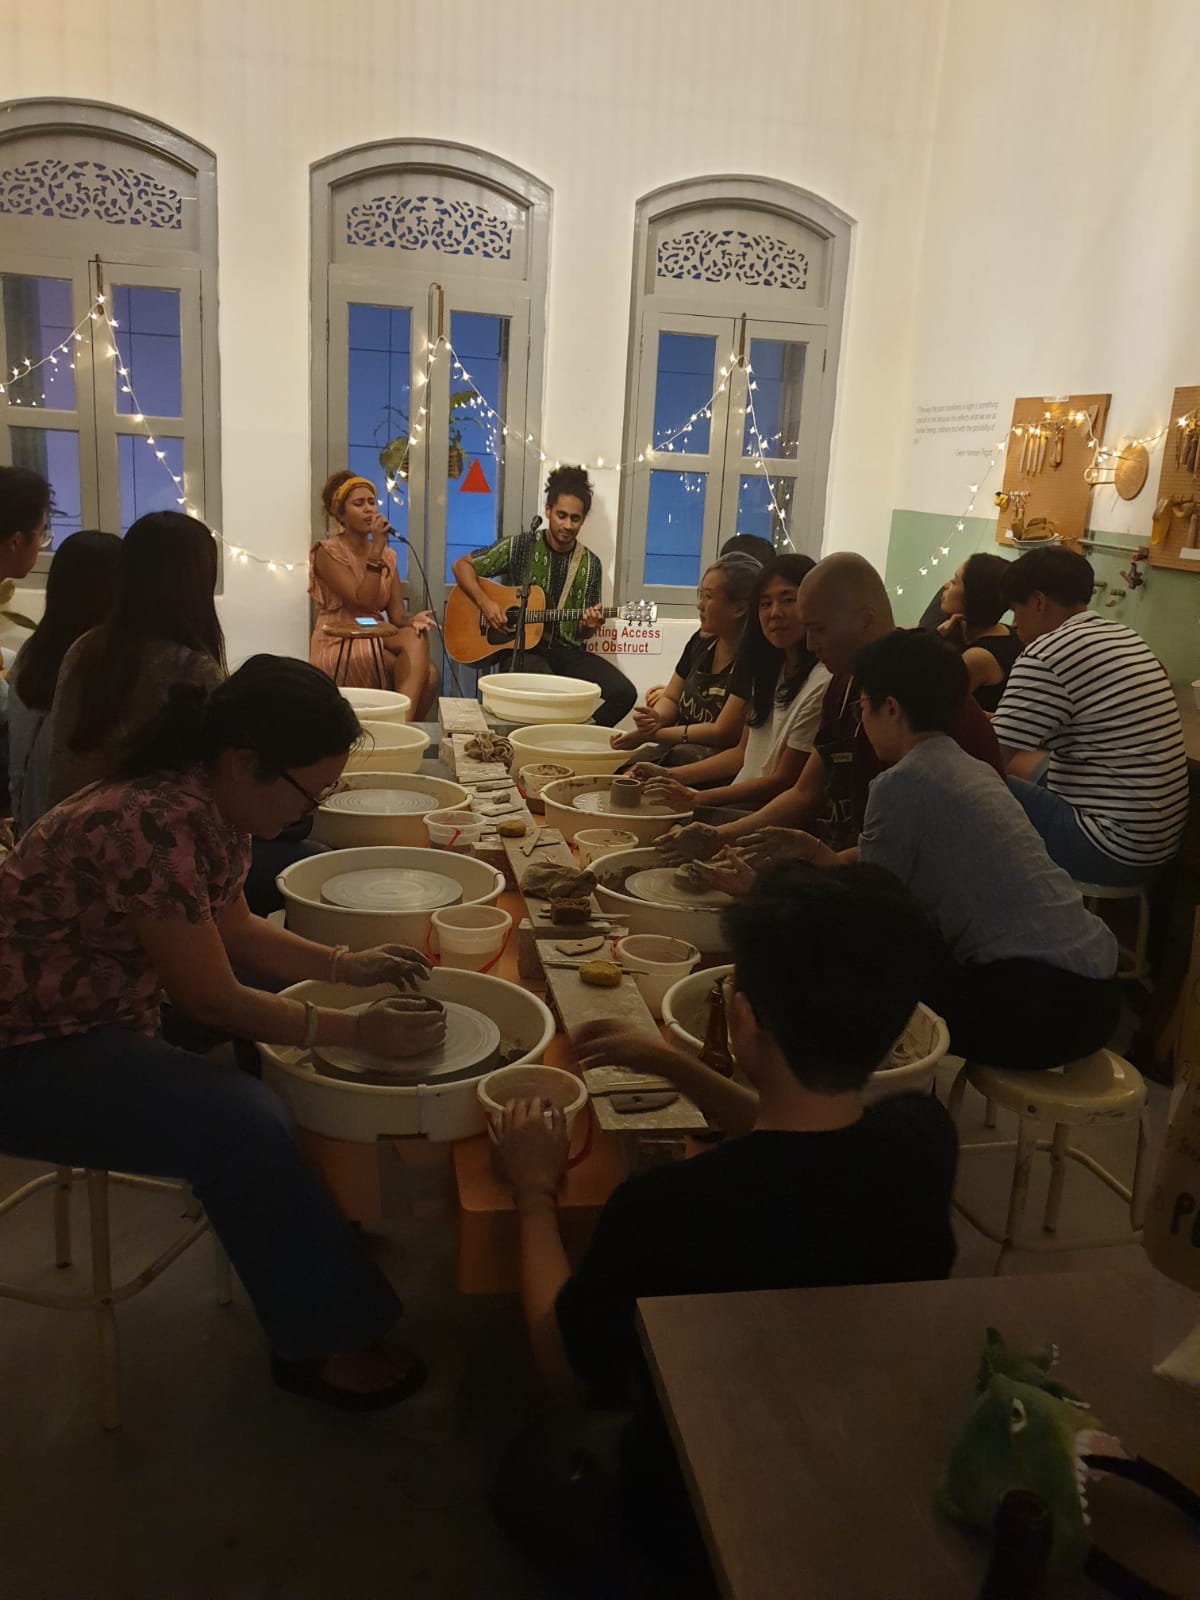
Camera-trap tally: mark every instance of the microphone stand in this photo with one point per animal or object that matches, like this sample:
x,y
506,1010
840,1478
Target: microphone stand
x,y
518,655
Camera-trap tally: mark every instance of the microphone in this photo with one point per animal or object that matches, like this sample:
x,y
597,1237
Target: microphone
x,y
536,523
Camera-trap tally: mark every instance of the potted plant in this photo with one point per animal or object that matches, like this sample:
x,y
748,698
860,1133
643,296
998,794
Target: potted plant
x,y
393,457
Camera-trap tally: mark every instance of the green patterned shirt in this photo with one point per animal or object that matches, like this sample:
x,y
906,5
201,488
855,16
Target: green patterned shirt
x,y
527,557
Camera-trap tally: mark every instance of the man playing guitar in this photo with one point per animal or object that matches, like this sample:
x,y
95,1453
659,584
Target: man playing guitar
x,y
553,559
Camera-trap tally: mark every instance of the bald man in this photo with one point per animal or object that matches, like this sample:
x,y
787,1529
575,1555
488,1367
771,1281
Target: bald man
x,y
845,607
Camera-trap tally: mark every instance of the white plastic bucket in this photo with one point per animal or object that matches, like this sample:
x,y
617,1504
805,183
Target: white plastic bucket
x,y
657,962
454,830
592,843
470,937
529,1082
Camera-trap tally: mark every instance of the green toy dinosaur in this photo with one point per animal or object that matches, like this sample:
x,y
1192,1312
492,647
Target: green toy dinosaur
x,y
1025,1431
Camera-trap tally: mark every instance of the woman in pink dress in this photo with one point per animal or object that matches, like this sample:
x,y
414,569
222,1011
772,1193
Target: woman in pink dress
x,y
353,574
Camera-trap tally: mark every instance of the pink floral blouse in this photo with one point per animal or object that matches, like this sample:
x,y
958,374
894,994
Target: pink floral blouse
x,y
70,961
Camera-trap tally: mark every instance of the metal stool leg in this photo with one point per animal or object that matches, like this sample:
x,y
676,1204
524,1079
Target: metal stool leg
x,y
380,659
341,659
62,1216
106,1318
1022,1167
1058,1173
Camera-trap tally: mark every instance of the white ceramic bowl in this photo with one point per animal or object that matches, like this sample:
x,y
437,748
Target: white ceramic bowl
x,y
391,747
583,749
924,1042
365,1112
530,1082
592,843
378,705
562,813
348,830
306,913
538,697
657,964
698,925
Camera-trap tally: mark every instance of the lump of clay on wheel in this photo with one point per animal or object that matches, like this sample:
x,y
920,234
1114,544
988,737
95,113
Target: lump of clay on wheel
x,y
694,875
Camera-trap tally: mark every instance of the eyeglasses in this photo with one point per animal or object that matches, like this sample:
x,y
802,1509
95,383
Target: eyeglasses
x,y
47,538
312,801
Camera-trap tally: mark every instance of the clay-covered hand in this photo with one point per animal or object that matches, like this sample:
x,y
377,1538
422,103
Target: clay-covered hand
x,y
731,872
694,842
532,1143
644,771
421,622
608,1044
401,1027
670,792
769,846
386,963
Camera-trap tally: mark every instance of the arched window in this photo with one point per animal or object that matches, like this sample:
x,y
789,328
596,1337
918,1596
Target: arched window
x,y
738,290
429,293
122,420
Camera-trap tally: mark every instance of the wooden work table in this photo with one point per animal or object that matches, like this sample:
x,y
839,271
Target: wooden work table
x,y
812,1424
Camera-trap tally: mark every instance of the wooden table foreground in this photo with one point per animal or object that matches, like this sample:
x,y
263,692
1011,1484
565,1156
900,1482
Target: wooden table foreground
x,y
812,1424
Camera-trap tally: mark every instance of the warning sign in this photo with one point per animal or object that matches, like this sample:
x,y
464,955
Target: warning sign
x,y
626,639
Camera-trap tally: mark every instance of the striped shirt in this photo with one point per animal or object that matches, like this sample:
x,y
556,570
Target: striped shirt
x,y
1093,695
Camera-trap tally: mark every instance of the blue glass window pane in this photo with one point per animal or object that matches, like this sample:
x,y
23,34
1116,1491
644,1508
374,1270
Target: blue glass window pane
x,y
777,390
378,403
757,514
54,453
475,483
145,481
37,327
683,388
149,347
675,528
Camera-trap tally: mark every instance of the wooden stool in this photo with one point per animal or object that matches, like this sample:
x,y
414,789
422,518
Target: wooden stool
x,y
1135,959
1101,1088
104,1297
348,633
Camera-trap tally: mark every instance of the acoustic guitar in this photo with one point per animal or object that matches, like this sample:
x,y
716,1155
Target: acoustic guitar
x,y
467,637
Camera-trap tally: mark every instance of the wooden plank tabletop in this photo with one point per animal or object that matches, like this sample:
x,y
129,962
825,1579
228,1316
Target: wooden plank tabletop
x,y
812,1424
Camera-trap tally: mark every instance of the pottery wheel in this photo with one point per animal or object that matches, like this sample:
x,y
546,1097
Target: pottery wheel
x,y
391,889
658,886
382,802
600,802
471,1047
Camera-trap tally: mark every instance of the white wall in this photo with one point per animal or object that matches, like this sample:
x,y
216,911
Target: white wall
x,y
1062,245
604,100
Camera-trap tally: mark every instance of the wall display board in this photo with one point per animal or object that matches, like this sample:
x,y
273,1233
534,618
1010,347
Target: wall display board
x,y
1175,531
1052,446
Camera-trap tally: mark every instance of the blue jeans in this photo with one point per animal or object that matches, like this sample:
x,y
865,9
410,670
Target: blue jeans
x,y
1066,843
119,1101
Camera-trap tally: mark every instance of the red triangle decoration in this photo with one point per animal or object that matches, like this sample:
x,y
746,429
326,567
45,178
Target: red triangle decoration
x,y
475,482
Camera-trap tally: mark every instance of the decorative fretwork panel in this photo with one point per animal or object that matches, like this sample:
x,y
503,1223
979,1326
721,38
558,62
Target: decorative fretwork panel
x,y
732,255
428,222
88,191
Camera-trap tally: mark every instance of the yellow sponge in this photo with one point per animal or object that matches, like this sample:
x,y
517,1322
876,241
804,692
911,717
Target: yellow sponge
x,y
600,974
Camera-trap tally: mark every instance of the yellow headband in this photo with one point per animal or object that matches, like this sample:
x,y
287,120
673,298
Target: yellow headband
x,y
342,492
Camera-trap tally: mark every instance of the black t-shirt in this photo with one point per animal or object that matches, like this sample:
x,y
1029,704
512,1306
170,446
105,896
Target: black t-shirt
x,y
866,1204
1004,648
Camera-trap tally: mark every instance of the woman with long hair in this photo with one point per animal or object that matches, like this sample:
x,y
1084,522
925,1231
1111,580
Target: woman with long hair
x,y
162,629
353,574
782,684
686,717
80,589
973,603
133,888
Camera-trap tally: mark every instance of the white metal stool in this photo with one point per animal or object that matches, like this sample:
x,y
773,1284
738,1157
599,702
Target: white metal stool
x,y
105,1297
1134,961
1100,1088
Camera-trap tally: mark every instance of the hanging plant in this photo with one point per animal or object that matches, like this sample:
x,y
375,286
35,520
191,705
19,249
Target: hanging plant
x,y
393,456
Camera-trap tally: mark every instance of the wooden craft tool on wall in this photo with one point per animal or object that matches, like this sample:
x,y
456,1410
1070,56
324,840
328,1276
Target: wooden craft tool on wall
x,y
1050,453
1175,529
